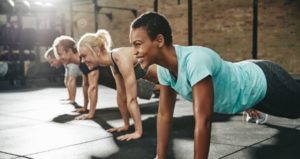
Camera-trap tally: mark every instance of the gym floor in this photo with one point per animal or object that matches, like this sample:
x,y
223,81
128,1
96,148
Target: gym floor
x,y
35,123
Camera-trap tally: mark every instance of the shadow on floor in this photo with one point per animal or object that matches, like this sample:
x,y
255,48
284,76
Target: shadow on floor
x,y
286,145
183,128
107,114
64,118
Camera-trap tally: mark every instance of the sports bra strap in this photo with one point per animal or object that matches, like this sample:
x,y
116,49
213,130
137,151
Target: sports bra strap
x,y
115,64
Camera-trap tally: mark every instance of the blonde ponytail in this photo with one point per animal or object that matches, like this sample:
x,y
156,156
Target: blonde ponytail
x,y
101,38
104,36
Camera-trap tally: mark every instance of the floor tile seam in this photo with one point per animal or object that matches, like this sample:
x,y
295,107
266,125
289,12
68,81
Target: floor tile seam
x,y
15,155
27,110
228,144
67,146
24,126
15,116
245,147
42,122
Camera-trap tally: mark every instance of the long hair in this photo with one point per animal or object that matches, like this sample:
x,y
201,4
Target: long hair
x,y
100,39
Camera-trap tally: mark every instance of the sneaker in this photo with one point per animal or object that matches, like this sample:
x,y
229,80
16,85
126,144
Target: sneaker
x,y
260,120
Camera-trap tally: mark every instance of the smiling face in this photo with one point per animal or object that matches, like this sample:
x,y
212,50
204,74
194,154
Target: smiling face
x,y
65,56
145,49
88,56
53,61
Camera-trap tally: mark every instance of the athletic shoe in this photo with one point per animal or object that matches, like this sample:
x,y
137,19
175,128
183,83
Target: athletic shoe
x,y
260,120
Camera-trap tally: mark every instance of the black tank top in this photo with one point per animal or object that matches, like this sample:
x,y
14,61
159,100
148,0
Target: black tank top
x,y
84,68
138,70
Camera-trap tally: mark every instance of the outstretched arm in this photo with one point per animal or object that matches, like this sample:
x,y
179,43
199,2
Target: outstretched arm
x,y
167,101
92,94
72,88
121,101
125,64
203,110
85,95
132,104
93,91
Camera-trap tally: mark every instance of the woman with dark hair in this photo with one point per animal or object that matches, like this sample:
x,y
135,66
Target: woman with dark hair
x,y
212,84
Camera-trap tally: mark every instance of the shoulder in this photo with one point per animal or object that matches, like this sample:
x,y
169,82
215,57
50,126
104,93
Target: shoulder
x,y
122,50
124,54
199,62
163,75
72,66
196,55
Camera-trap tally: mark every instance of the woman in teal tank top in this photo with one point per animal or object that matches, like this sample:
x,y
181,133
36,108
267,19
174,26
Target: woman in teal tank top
x,y
200,76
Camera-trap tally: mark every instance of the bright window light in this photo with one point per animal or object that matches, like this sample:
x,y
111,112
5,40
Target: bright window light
x,y
43,4
11,2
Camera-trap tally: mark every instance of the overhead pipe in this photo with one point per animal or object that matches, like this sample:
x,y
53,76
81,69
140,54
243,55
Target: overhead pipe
x,y
190,22
254,31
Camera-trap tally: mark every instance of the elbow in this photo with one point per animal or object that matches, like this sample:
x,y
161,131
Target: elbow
x,y
203,115
93,89
121,99
132,101
204,121
84,84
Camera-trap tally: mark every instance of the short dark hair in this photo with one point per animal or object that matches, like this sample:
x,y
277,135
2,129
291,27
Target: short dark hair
x,y
155,24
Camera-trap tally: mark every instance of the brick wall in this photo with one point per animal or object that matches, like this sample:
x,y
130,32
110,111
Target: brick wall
x,y
223,25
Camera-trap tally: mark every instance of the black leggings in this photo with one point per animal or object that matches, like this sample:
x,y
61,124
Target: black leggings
x,y
283,92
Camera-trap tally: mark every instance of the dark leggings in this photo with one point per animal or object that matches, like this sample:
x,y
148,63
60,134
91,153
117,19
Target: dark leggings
x,y
283,92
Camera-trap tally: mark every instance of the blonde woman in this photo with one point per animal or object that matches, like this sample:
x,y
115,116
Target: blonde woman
x,y
94,48
65,50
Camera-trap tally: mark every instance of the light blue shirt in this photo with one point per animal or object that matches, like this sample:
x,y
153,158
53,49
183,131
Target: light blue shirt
x,y
237,86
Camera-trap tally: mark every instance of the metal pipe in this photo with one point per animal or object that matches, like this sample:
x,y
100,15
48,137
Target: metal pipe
x,y
155,5
254,32
71,17
96,8
190,22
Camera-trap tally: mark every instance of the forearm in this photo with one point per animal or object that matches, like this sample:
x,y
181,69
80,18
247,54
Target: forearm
x,y
202,133
72,88
136,115
164,124
85,96
93,94
203,97
123,109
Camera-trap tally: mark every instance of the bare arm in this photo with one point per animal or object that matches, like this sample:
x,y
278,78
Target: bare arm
x,y
93,92
132,104
66,79
121,101
72,88
125,64
164,119
203,111
85,92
